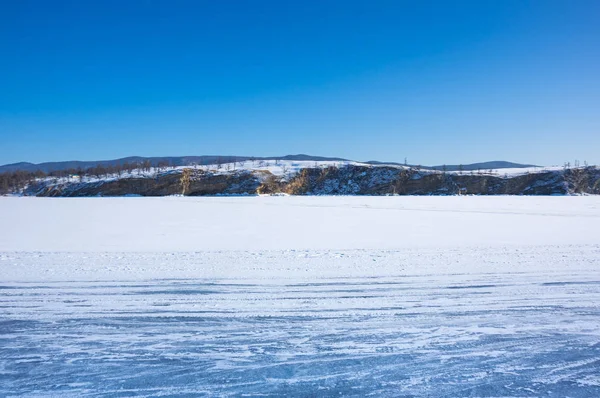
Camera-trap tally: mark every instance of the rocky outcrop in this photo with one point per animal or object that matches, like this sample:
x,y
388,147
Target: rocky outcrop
x,y
346,180
358,180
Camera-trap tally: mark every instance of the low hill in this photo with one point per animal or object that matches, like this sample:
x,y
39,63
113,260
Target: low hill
x,y
47,167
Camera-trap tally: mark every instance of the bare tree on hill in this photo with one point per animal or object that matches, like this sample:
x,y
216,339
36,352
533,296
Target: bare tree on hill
x,y
185,180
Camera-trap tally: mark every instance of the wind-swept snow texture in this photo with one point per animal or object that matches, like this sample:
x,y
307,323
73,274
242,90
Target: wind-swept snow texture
x,y
300,296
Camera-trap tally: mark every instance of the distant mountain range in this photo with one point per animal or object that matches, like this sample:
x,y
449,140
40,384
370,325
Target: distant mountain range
x,y
495,164
212,159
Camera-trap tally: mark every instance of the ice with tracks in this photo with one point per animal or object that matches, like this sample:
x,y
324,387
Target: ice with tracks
x,y
490,315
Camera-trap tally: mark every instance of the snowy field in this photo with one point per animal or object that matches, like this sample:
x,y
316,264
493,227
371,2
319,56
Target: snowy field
x,y
300,296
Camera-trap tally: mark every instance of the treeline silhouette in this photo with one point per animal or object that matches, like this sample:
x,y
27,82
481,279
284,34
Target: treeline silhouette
x,y
15,181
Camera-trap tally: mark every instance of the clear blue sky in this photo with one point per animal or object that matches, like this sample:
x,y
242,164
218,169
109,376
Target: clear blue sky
x,y
434,81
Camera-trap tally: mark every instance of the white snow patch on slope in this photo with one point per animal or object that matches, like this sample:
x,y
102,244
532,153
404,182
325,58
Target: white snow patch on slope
x,y
514,172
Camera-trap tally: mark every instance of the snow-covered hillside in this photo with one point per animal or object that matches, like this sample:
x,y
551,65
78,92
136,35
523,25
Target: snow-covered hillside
x,y
315,178
277,167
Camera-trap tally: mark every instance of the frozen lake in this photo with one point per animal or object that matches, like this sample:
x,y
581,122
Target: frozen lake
x,y
482,335
408,315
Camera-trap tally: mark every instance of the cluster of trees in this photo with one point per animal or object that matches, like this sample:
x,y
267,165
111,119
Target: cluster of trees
x,y
15,181
577,164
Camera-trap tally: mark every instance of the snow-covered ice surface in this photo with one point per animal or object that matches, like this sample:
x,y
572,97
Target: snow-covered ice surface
x,y
296,296
304,222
